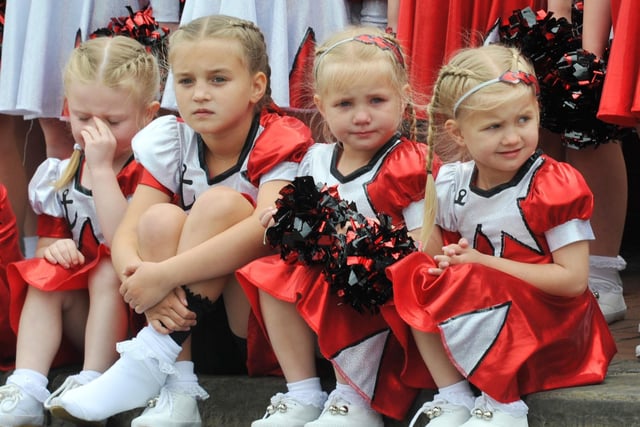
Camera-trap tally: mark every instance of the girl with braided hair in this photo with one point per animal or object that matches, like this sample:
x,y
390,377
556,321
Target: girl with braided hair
x,y
193,219
361,90
71,287
500,297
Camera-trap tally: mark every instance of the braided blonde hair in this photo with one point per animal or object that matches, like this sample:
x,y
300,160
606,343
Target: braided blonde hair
x,y
115,62
466,69
228,27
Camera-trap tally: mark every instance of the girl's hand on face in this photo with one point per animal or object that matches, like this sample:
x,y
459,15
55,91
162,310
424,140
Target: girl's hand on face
x,y
64,253
99,145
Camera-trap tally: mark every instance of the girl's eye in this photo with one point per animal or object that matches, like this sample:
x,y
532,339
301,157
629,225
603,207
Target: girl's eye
x,y
377,100
343,104
219,79
184,81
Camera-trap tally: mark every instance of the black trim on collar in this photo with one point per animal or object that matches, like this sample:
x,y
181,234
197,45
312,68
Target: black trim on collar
x,y
364,169
246,149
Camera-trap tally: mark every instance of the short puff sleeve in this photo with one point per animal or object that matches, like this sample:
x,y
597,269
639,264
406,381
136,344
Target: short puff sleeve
x,y
400,184
158,147
284,139
560,195
42,193
447,184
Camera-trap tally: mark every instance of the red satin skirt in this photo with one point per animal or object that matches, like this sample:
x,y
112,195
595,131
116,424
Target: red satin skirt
x,y
360,346
505,336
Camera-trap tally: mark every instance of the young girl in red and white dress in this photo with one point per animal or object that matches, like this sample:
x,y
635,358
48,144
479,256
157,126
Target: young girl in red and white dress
x,y
500,298
192,220
111,87
362,92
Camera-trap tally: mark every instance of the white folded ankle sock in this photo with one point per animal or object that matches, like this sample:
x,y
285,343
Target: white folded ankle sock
x,y
459,393
185,381
31,382
307,392
87,375
352,396
135,378
604,273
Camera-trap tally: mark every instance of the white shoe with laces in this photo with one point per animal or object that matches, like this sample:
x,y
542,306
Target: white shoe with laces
x,y
285,411
339,412
19,409
442,414
172,408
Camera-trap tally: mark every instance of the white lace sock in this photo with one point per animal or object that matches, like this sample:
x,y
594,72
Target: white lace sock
x,y
458,394
185,381
31,382
135,378
307,392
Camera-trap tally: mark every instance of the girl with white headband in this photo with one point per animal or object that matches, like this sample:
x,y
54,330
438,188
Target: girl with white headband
x,y
499,299
362,92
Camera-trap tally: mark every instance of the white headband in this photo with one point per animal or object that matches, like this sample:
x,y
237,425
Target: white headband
x,y
511,77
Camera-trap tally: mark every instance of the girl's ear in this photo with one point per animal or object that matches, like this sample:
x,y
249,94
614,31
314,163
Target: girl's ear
x,y
259,87
453,129
151,111
318,103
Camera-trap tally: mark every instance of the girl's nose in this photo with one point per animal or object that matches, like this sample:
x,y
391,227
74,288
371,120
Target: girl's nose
x,y
511,136
200,92
362,116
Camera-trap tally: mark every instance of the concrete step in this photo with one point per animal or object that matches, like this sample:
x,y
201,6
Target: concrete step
x,y
238,400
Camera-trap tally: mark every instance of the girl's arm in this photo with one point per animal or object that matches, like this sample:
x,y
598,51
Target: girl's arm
x,y
566,276
109,201
124,248
434,245
224,253
596,26
561,8
44,243
100,149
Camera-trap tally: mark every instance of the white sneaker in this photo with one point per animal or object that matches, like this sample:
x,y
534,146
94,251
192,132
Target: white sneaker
x,y
611,304
442,414
19,409
170,409
284,411
339,412
606,285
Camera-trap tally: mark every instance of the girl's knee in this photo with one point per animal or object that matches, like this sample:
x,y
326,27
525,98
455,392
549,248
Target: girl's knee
x,y
160,222
222,202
